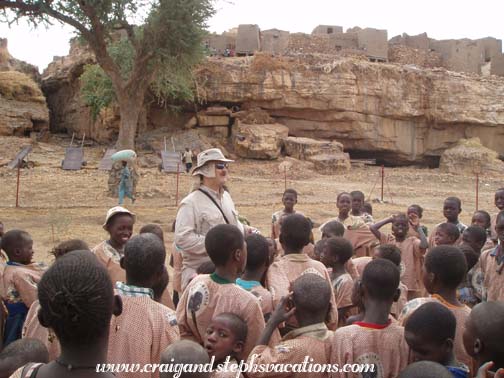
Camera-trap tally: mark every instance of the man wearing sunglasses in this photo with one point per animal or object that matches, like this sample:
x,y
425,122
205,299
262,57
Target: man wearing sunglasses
x,y
208,205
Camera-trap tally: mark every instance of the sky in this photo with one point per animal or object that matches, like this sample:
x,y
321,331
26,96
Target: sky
x,y
441,19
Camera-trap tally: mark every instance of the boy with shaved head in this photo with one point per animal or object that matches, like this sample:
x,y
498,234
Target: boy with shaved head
x,y
444,269
294,236
484,334
425,369
309,302
208,295
185,352
145,327
374,340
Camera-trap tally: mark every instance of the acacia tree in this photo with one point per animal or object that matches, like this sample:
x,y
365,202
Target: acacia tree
x,y
164,43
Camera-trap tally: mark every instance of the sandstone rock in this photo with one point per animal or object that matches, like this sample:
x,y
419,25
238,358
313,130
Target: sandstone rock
x,y
191,124
259,141
290,166
254,116
470,157
396,113
303,148
327,156
331,163
217,110
22,105
212,120
9,63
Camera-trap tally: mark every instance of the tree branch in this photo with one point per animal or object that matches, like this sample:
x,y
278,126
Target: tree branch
x,y
40,9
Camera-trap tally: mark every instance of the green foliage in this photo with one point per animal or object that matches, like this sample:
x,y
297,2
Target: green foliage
x,y
96,89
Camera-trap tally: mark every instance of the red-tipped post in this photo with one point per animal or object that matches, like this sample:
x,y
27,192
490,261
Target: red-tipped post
x,y
177,192
477,191
382,181
285,177
17,185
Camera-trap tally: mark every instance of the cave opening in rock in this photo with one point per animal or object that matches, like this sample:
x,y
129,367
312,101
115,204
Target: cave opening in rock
x,y
390,159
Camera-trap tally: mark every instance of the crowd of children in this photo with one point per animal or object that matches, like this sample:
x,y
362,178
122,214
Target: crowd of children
x,y
408,304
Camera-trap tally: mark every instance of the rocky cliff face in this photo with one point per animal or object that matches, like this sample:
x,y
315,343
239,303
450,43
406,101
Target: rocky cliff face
x,y
61,86
22,105
397,113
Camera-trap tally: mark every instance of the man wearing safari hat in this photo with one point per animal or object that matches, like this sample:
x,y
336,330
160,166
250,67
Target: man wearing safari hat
x,y
207,206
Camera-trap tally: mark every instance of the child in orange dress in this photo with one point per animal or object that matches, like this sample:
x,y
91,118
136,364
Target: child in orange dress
x,y
18,288
119,225
294,236
376,339
208,295
452,208
412,250
258,261
358,207
392,253
32,327
224,341
77,302
430,334
163,296
482,218
446,234
335,229
336,253
309,303
492,266
483,337
143,322
289,200
444,269
499,204
415,214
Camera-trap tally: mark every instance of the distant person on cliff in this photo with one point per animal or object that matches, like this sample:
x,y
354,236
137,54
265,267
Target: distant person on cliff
x,y
126,184
187,157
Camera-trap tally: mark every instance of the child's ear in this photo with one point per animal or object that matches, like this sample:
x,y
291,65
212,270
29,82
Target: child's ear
x,y
118,305
121,262
448,345
237,254
478,346
397,295
431,278
238,347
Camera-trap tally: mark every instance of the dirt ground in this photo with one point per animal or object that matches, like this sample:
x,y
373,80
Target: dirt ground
x,y
56,205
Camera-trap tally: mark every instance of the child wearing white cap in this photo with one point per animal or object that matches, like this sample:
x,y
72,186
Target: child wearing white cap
x,y
119,225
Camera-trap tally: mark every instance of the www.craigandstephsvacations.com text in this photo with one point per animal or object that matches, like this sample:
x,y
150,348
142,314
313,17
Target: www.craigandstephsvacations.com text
x,y
307,366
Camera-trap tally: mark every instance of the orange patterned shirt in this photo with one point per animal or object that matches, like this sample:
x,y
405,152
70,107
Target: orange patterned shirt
x,y
302,343
283,272
143,330
461,314
207,296
363,343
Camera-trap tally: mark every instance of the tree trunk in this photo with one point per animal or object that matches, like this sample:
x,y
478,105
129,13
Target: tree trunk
x,y
130,108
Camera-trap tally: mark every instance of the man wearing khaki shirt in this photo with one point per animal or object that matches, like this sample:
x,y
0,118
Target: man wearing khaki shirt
x,y
207,206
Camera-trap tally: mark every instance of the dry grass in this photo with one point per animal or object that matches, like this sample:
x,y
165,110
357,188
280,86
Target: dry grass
x,y
20,87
